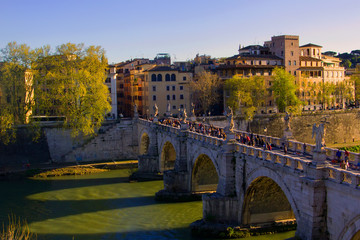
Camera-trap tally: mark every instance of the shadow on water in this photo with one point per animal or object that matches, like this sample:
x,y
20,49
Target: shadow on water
x,y
65,208
167,234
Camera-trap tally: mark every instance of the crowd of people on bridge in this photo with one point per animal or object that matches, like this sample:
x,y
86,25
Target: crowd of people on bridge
x,y
250,139
210,130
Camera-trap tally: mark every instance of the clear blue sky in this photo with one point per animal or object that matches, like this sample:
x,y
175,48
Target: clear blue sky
x,y
142,28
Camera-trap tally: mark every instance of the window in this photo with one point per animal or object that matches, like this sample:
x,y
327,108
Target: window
x,y
154,97
174,97
108,80
292,53
167,88
154,88
153,78
184,78
289,63
181,87
294,62
109,90
181,96
173,77
167,77
159,77
270,103
294,73
168,97
282,53
173,88
181,106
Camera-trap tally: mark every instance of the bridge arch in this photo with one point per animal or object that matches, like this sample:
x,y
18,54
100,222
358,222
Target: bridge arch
x,y
144,143
167,157
351,230
267,198
204,176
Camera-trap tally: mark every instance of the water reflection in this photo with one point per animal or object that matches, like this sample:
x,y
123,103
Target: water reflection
x,y
100,206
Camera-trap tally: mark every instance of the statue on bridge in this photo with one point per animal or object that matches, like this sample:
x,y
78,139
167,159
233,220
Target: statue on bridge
x,y
287,119
156,110
136,114
182,115
230,119
320,136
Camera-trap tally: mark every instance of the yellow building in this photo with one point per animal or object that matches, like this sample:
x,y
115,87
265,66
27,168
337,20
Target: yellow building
x,y
318,71
165,85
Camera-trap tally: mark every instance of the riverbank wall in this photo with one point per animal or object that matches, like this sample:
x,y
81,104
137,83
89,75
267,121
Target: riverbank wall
x,y
114,141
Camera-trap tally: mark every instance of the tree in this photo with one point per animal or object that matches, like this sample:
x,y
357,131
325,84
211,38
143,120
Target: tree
x,y
16,88
347,63
284,90
205,89
245,93
70,83
355,78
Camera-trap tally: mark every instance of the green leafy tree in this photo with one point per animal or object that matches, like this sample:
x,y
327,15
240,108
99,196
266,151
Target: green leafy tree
x,y
70,83
284,90
356,81
205,90
347,63
16,88
245,93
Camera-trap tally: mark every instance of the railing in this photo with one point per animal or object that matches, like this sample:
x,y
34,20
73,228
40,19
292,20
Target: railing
x,y
343,176
293,145
205,138
289,161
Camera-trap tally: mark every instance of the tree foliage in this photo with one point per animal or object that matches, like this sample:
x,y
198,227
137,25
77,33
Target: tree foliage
x,y
246,94
15,88
68,82
284,89
205,89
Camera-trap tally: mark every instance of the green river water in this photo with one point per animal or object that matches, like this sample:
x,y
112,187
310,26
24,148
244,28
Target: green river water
x,y
99,206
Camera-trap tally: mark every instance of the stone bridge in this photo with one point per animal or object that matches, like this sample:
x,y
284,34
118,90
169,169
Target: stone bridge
x,y
249,185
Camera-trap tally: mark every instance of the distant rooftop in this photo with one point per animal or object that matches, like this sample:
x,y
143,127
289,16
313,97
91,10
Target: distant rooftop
x,y
310,45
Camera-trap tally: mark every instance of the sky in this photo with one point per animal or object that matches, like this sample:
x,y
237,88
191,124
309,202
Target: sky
x,y
182,28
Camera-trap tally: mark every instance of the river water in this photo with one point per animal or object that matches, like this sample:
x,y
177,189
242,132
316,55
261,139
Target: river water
x,y
99,206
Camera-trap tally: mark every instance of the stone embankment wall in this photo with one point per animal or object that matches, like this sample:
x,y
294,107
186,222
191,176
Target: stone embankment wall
x,y
114,142
342,126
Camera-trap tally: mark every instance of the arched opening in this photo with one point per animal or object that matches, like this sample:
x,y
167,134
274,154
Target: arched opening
x,y
265,202
144,144
159,77
153,78
204,175
168,157
167,77
356,236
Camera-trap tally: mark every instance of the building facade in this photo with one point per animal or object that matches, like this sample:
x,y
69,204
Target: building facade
x,y
166,87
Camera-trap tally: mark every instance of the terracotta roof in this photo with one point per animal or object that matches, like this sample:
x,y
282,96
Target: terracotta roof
x,y
243,66
254,56
310,45
306,58
311,68
162,68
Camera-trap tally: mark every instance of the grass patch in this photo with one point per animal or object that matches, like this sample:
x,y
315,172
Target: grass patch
x,y
16,229
76,170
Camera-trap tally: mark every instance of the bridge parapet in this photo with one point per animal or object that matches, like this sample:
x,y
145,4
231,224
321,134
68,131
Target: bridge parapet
x,y
343,176
289,161
206,139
